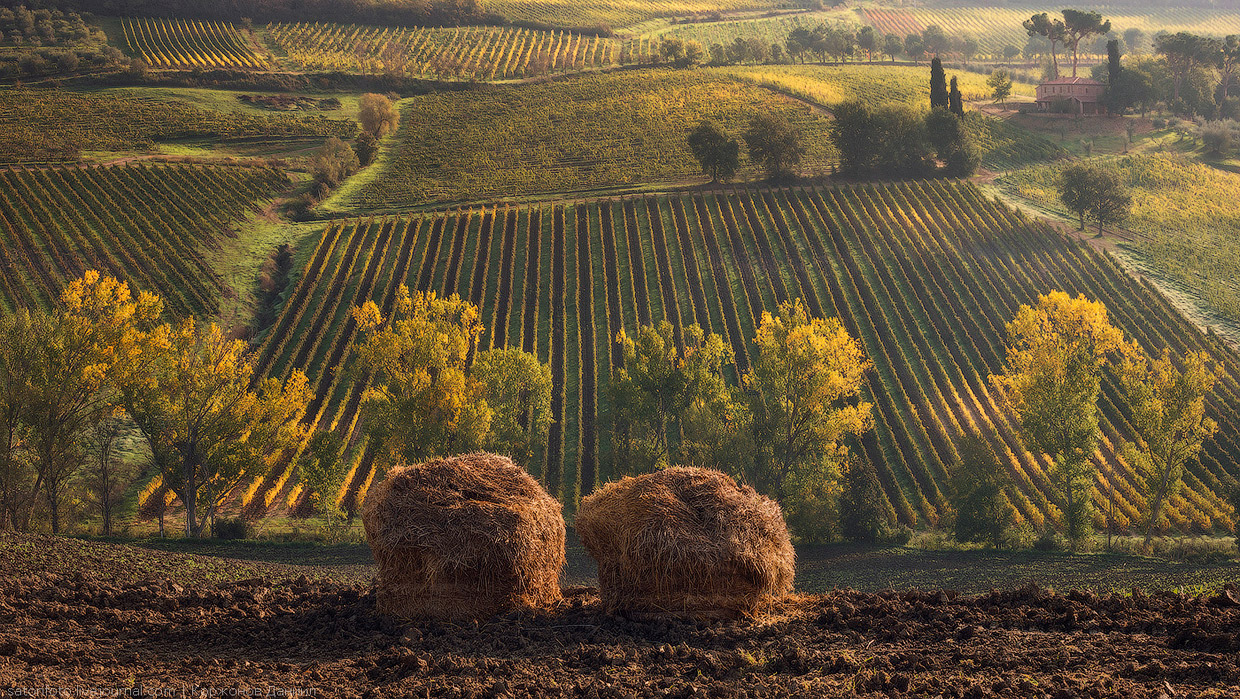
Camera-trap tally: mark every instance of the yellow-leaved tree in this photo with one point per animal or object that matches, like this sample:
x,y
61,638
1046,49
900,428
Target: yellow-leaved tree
x,y
60,365
1055,354
190,395
801,391
422,401
1168,403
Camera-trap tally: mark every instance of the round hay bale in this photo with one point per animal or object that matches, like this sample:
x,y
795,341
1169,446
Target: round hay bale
x,y
686,541
463,538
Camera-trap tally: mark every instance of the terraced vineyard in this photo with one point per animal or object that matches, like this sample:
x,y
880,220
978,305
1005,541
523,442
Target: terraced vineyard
x,y
179,43
473,53
148,225
925,273
56,125
585,132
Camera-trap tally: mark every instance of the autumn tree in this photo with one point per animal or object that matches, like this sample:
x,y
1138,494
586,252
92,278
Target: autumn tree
x,y
517,388
801,393
1055,354
1168,403
334,162
71,358
422,402
191,397
661,393
718,153
378,115
775,143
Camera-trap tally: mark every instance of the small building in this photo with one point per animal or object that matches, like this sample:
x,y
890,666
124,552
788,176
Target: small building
x,y
1071,96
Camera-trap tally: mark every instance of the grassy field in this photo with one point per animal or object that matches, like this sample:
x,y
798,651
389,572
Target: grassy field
x,y
583,133
874,84
1184,213
925,274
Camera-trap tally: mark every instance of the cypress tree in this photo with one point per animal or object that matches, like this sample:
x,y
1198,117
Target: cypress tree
x,y
938,84
955,101
1113,74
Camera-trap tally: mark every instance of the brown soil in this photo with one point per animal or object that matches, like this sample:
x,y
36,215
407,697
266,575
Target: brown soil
x,y
276,633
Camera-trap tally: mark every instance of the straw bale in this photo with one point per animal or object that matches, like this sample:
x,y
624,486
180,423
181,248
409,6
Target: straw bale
x,y
463,538
686,541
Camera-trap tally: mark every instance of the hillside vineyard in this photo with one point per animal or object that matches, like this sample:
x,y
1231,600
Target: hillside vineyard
x,y
148,225
926,274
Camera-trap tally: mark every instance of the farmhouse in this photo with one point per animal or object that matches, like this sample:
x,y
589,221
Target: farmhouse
x,y
1070,96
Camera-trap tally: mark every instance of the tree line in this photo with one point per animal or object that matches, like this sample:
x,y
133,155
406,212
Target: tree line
x,y
101,364
889,140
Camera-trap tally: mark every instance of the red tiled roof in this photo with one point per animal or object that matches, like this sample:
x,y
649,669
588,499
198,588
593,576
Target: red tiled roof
x,y
1071,81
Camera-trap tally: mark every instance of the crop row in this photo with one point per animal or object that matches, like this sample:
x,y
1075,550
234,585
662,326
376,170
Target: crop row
x,y
925,275
475,53
179,43
149,225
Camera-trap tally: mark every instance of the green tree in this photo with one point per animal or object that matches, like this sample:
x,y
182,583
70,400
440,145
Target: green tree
x,y
1055,354
935,40
801,393
775,143
681,53
1053,30
953,143
867,40
862,516
660,394
1010,52
1228,57
422,402
892,46
938,84
518,391
321,468
914,47
378,115
1167,400
955,101
968,49
1094,193
17,480
1080,25
718,153
367,149
977,484
207,429
1000,83
1183,53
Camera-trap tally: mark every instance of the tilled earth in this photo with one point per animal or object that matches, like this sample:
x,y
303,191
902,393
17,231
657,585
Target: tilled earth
x,y
279,637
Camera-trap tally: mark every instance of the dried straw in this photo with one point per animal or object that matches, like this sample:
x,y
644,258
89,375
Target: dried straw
x,y
463,538
686,541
